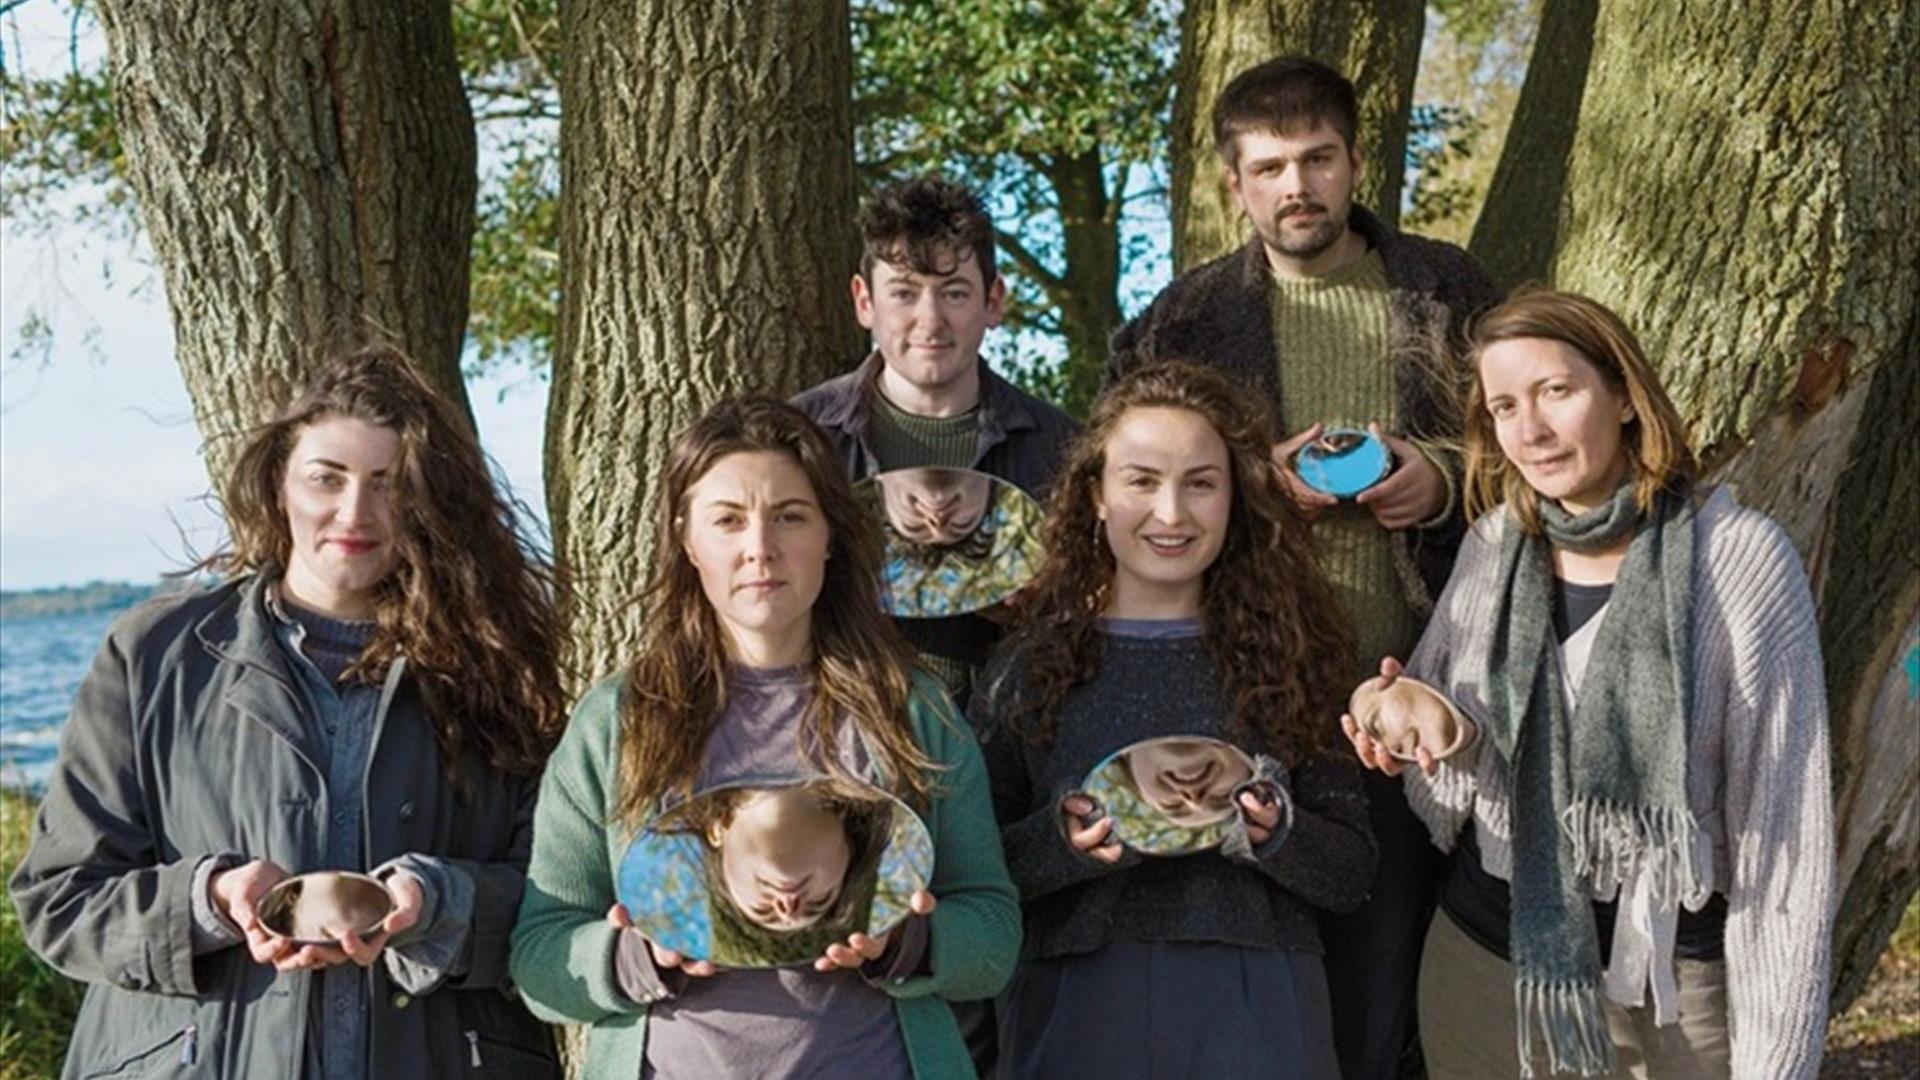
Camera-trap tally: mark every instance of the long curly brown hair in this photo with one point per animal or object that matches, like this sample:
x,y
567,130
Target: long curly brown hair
x,y
472,604
675,688
1275,633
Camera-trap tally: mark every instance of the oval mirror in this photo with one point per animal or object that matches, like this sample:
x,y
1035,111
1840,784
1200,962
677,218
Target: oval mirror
x,y
758,877
1171,795
957,541
1343,462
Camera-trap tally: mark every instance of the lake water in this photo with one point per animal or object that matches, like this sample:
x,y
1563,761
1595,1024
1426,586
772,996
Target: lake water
x,y
42,661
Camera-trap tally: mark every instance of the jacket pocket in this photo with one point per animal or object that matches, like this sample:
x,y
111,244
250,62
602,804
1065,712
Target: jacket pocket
x,y
177,1052
487,1057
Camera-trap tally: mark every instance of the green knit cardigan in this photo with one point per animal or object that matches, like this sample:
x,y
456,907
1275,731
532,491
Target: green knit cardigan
x,y
563,946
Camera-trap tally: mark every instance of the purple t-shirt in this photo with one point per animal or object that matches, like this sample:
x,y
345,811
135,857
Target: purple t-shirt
x,y
788,1022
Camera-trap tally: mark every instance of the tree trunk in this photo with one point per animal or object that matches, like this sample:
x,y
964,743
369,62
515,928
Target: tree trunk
x,y
1744,188
1376,44
707,229
1518,228
306,176
1089,293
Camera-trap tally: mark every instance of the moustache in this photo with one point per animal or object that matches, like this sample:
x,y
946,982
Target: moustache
x,y
1293,208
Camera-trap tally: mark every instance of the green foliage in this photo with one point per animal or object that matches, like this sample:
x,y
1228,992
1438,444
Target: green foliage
x,y
1004,96
1440,138
63,162
40,1003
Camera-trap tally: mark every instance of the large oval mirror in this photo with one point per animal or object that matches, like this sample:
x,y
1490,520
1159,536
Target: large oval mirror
x,y
957,541
757,877
1171,795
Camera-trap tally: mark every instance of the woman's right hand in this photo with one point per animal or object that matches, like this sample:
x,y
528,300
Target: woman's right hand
x,y
664,959
1371,752
1095,839
237,892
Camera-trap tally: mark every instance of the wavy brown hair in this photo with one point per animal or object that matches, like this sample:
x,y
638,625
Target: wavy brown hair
x,y
1654,439
676,687
1277,637
471,603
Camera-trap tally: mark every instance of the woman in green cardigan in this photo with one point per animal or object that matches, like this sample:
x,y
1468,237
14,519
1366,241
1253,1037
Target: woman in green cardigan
x,y
765,655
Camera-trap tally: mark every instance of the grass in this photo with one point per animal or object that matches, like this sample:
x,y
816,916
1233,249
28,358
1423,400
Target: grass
x,y
1880,1035
40,1003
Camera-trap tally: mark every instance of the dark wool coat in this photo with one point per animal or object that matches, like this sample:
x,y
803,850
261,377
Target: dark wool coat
x,y
1221,314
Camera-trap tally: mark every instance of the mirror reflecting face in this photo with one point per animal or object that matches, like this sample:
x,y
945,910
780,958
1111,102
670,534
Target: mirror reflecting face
x,y
1407,717
1343,463
1172,795
957,540
769,876
784,856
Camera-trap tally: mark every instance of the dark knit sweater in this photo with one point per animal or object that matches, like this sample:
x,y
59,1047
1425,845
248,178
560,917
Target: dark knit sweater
x,y
1221,315
1075,904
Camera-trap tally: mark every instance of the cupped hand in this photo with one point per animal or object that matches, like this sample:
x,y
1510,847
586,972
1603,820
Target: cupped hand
x,y
1094,839
859,949
1311,500
664,958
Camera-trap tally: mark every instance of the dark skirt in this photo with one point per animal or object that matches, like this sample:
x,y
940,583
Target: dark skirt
x,y
1165,1010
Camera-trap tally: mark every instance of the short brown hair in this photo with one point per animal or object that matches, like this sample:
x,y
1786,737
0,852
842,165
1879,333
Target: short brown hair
x,y
929,225
1654,439
1279,95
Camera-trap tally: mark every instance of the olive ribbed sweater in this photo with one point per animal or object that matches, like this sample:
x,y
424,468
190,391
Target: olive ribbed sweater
x,y
904,440
1334,333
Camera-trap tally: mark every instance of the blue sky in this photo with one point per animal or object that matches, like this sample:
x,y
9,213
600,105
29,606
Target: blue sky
x,y
100,468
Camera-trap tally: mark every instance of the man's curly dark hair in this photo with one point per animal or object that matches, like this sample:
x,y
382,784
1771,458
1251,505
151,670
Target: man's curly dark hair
x,y
927,225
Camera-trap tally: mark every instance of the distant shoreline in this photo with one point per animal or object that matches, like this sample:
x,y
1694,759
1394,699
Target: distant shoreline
x,y
95,596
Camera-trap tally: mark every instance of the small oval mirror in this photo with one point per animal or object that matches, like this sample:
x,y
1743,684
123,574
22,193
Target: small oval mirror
x,y
1408,716
1171,795
957,541
760,877
319,908
1343,462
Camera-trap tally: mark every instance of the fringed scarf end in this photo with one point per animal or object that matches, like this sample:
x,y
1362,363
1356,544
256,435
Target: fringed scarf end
x,y
1607,841
1571,1021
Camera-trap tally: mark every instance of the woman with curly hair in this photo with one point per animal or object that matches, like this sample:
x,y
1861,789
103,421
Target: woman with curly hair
x,y
1643,872
374,687
766,658
1178,598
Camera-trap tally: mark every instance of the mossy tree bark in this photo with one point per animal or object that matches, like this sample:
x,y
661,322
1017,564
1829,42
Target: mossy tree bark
x,y
1518,228
707,202
1374,43
1744,188
306,177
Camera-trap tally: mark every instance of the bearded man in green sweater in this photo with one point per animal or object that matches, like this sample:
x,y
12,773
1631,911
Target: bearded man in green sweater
x,y
1342,321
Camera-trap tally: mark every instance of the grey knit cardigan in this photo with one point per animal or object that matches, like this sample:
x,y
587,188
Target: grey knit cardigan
x,y
1757,772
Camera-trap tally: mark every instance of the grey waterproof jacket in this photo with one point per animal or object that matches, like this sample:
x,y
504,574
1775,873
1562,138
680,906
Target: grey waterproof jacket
x,y
189,738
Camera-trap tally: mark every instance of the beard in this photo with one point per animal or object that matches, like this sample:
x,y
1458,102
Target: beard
x,y
1300,242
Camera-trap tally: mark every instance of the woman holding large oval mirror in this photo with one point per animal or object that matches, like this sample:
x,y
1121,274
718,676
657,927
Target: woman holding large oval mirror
x,y
372,688
1643,830
764,656
1179,598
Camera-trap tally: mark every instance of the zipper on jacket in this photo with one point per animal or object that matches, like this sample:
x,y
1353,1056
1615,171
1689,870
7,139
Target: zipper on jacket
x,y
190,1053
473,1046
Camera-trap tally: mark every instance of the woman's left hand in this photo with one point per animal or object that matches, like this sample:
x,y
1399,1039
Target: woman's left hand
x,y
861,949
1261,815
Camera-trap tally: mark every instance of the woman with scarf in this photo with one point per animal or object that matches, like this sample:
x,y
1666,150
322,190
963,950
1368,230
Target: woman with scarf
x,y
1642,826
765,657
1179,598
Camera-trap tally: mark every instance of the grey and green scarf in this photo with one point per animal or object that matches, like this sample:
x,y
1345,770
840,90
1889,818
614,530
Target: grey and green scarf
x,y
1601,792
